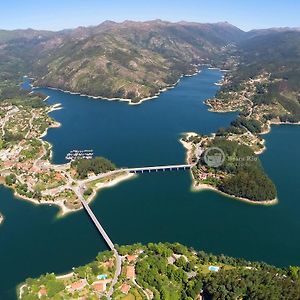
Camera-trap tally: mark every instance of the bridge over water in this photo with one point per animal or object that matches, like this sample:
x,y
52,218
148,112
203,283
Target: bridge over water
x,y
105,237
160,168
79,192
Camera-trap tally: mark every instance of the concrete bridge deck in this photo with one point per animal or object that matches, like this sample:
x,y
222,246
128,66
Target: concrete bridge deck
x,y
108,242
160,168
97,224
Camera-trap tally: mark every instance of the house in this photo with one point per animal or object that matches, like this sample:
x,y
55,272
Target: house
x,y
77,286
109,264
36,170
131,258
31,180
125,288
130,272
100,285
42,292
203,176
59,176
8,164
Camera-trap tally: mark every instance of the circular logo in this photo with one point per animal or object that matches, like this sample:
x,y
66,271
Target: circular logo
x,y
214,157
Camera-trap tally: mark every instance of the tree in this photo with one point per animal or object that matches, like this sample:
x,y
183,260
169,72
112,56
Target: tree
x,y
88,191
10,179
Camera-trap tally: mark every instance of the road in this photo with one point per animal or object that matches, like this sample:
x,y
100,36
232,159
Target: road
x,y
79,191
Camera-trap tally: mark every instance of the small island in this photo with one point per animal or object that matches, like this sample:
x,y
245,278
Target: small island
x,y
239,175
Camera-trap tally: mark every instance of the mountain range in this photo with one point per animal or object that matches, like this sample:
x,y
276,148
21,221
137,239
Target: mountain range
x,y
132,60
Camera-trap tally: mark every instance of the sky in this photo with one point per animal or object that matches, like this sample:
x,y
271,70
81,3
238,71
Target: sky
x,y
62,14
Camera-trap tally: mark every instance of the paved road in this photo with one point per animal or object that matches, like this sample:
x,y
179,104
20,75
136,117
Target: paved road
x,y
156,168
79,192
95,220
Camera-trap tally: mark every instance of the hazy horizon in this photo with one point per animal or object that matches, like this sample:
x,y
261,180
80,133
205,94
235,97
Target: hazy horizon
x,y
144,21
58,15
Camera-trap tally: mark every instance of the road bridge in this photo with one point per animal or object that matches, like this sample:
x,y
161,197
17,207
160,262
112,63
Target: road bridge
x,y
160,168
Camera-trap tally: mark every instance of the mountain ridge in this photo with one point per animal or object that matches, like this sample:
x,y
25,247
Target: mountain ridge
x,y
130,59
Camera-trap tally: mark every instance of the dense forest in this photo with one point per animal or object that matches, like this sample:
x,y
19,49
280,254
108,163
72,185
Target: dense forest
x,y
96,165
237,278
245,175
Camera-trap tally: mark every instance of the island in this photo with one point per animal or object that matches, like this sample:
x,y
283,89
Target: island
x,y
240,175
167,271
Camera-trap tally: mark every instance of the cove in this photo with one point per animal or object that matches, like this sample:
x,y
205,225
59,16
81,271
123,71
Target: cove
x,y
152,207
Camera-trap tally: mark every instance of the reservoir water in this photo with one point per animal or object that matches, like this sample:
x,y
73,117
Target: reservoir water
x,y
152,207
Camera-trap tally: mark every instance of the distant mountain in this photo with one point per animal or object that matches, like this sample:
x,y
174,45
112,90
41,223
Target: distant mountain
x,y
128,60
137,59
276,53
258,32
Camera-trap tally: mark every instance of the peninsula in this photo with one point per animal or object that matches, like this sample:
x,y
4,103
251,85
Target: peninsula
x,y
167,271
265,92
25,159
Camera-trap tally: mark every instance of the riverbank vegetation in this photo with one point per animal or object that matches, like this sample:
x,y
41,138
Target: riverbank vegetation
x,y
172,271
244,176
239,174
95,165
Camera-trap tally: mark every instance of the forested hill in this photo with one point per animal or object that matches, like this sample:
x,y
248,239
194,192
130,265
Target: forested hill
x,y
137,59
128,60
272,54
173,272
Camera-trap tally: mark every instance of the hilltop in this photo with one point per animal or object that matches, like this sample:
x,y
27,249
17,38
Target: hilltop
x,y
132,60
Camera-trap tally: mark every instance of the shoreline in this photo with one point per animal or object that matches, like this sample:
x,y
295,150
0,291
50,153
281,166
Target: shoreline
x,y
128,100
99,186
63,209
22,285
203,186
206,187
276,123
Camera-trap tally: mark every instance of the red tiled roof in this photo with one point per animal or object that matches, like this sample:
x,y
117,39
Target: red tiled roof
x,y
99,287
42,292
130,272
125,288
131,258
78,285
109,263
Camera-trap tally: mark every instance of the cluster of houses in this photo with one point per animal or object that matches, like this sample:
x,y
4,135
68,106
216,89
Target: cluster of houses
x,y
129,272
101,284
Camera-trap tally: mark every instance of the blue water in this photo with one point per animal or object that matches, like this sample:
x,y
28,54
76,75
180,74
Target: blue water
x,y
139,135
152,207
